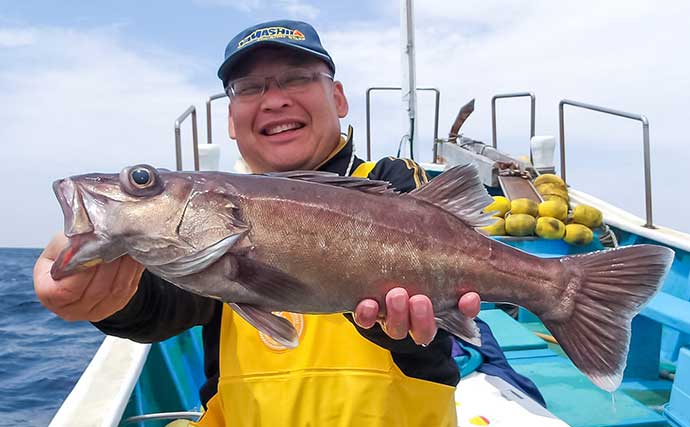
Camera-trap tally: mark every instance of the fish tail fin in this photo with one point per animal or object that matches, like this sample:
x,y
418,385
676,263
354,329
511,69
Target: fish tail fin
x,y
603,292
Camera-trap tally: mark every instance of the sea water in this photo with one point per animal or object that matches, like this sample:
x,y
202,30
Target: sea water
x,y
41,355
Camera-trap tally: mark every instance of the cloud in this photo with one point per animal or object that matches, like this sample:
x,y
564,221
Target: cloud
x,y
625,56
80,101
290,8
301,10
86,100
15,38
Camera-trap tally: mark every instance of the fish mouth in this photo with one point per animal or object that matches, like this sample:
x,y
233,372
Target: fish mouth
x,y
84,246
80,254
77,219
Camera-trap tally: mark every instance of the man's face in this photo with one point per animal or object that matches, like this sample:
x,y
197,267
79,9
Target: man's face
x,y
283,131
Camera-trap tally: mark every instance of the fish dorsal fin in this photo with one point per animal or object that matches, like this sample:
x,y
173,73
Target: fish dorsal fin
x,y
328,178
460,192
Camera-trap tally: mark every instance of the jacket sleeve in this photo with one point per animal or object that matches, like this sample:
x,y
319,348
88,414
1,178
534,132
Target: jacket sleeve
x,y
157,311
434,362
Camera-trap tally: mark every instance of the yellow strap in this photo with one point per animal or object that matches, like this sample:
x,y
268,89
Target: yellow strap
x,y
363,170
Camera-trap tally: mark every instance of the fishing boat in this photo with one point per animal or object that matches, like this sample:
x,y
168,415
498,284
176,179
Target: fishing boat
x,y
128,383
132,384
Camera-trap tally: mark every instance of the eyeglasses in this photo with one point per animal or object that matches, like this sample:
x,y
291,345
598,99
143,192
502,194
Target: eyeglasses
x,y
293,80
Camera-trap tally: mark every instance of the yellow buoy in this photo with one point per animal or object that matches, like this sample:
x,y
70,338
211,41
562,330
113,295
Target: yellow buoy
x,y
587,215
555,208
520,224
524,206
550,228
498,228
500,204
549,178
555,197
578,234
552,190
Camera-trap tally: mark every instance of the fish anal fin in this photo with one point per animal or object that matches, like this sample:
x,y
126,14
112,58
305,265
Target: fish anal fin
x,y
278,328
459,325
460,191
609,288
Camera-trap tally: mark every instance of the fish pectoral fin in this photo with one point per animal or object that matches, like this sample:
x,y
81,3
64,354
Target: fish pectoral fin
x,y
197,261
278,328
270,283
459,325
460,191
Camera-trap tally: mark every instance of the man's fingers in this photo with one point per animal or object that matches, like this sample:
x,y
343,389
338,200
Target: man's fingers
x,y
58,294
469,304
97,289
124,285
397,323
422,322
366,313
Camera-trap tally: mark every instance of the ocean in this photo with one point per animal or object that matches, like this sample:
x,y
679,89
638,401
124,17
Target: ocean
x,y
41,355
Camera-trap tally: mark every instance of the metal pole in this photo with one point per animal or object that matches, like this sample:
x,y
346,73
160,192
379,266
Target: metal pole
x,y
647,171
645,143
195,141
178,139
437,105
532,120
368,101
561,132
368,111
209,129
493,122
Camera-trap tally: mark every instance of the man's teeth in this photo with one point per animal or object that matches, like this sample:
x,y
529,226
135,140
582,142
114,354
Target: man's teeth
x,y
282,128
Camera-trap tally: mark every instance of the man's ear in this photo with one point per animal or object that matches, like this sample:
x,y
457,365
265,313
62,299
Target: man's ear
x,y
231,124
341,105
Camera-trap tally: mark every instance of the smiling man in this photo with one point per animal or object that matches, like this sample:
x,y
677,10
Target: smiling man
x,y
285,110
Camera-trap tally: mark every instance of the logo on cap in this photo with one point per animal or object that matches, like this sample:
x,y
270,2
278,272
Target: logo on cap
x,y
270,33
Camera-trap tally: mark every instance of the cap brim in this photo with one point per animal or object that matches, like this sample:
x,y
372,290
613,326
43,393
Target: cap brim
x,y
227,66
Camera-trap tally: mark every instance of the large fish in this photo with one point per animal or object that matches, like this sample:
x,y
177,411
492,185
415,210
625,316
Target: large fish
x,y
314,242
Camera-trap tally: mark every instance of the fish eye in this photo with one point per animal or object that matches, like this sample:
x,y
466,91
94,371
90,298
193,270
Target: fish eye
x,y
141,177
141,181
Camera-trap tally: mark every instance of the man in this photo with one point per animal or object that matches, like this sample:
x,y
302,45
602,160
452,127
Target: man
x,y
284,114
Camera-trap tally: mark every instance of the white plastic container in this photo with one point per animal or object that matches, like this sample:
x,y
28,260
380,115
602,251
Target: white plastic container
x,y
543,149
209,157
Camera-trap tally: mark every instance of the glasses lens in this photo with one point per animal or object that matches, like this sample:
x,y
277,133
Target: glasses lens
x,y
247,86
295,79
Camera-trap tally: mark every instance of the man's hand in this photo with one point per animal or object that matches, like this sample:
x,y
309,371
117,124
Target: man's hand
x,y
93,294
413,315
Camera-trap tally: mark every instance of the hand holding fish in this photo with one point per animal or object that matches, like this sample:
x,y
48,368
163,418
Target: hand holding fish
x,y
410,314
92,294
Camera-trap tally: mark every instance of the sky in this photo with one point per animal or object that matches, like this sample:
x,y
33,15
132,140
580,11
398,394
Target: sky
x,y
91,86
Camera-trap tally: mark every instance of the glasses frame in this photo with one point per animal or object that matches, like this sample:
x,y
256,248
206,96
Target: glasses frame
x,y
229,91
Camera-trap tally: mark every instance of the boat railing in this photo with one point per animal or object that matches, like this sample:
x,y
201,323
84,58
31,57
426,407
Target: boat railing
x,y
645,142
532,120
386,88
182,415
178,138
209,130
